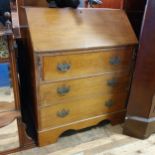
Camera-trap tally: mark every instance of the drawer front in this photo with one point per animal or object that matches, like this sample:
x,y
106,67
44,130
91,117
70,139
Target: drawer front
x,y
80,65
70,90
68,112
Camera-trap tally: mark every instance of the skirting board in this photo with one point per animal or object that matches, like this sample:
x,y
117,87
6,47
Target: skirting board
x,y
139,127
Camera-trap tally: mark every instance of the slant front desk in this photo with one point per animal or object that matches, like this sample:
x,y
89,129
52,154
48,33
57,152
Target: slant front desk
x,y
79,68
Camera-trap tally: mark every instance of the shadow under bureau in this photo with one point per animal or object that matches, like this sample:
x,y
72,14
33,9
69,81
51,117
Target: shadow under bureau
x,y
79,68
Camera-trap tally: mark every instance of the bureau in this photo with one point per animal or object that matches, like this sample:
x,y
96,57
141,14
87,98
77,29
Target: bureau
x,y
79,68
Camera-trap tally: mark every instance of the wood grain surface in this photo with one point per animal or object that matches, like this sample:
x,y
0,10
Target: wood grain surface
x,y
78,88
86,64
143,85
75,46
51,135
85,28
79,109
141,100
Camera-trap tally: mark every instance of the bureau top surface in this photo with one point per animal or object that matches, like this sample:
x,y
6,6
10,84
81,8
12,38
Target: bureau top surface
x,y
68,29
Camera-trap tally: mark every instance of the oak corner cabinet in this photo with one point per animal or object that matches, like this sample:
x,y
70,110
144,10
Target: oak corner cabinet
x,y
79,68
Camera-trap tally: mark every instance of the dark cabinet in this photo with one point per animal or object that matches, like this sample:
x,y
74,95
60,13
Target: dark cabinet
x,y
140,120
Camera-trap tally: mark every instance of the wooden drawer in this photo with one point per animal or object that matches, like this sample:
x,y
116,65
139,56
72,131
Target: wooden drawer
x,y
70,90
61,67
68,112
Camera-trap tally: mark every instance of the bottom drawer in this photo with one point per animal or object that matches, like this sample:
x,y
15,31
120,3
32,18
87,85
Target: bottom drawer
x,y
64,113
51,135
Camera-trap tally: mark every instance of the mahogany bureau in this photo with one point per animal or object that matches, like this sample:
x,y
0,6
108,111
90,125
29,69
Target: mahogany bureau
x,y
80,65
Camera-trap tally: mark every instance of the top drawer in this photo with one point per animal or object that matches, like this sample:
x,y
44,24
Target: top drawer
x,y
61,67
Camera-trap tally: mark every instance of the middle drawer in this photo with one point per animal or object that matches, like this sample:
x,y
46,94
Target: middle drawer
x,y
70,90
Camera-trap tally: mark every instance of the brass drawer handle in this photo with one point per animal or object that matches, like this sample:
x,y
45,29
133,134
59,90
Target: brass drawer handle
x,y
110,103
112,83
63,113
64,67
115,60
63,90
